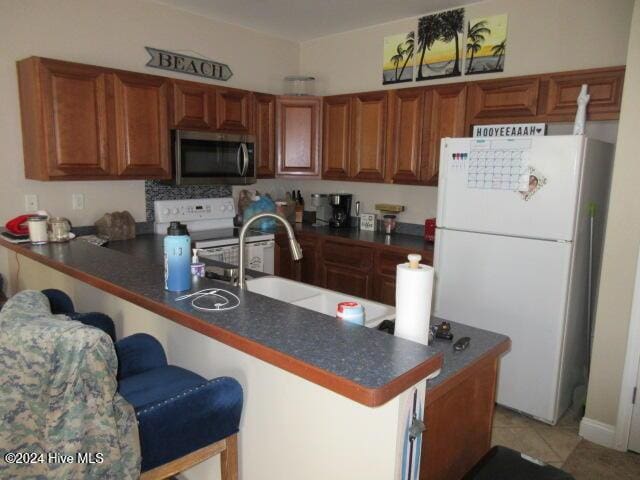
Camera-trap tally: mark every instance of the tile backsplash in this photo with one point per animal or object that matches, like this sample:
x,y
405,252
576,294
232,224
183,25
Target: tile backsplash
x,y
155,190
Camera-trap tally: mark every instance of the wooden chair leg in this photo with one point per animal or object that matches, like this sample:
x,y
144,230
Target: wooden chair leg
x,y
229,459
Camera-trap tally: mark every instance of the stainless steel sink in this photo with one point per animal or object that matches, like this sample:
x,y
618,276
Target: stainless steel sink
x,y
316,298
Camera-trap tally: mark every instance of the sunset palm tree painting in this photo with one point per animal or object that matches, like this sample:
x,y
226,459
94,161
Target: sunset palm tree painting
x,y
439,44
486,44
398,58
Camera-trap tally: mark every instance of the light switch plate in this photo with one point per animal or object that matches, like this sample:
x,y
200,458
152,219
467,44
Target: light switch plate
x,y
31,203
77,201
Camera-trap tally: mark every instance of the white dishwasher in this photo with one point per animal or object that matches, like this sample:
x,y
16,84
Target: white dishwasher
x,y
260,255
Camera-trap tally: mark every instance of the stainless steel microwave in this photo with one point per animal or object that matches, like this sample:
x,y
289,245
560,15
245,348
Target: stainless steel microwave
x,y
203,158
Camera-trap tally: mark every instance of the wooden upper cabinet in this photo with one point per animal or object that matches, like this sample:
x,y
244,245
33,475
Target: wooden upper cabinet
x,y
444,117
233,110
336,136
193,105
64,120
368,136
512,99
265,132
142,126
298,136
605,90
405,130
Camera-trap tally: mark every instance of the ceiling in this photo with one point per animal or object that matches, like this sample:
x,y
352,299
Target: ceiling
x,y
302,20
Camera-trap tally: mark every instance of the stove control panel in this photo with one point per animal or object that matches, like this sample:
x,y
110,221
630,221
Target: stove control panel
x,y
196,209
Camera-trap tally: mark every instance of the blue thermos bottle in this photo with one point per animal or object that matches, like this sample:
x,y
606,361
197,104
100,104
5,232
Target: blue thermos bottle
x,y
177,258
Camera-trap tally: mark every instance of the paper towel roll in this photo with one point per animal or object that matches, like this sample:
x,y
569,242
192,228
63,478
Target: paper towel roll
x,y
414,288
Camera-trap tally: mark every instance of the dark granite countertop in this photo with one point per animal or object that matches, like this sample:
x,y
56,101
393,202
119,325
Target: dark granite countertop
x,y
149,248
400,240
481,343
364,364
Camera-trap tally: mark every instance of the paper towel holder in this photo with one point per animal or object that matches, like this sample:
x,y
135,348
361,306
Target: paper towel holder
x,y
414,260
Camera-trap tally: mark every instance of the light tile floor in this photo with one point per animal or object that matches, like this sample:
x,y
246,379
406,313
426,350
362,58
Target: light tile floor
x,y
554,445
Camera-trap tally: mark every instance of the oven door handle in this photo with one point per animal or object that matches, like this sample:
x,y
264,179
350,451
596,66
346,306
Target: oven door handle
x,y
245,159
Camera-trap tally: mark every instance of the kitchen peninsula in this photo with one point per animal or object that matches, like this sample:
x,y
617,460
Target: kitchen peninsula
x,y
316,388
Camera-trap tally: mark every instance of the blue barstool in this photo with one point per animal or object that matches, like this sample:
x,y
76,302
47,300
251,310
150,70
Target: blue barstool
x,y
183,418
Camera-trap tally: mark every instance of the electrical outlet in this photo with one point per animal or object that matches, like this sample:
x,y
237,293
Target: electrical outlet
x,y
77,201
30,203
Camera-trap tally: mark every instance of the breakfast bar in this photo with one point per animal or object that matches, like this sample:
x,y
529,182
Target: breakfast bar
x,y
298,368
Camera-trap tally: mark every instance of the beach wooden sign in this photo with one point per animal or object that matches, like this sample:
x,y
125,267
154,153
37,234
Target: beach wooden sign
x,y
176,62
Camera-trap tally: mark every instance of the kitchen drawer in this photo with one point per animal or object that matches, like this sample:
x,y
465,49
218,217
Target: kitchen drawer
x,y
387,261
347,254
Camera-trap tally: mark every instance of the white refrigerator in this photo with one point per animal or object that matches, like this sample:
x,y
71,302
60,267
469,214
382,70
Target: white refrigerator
x,y
512,255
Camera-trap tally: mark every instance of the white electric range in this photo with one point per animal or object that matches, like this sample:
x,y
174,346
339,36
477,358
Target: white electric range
x,y
210,225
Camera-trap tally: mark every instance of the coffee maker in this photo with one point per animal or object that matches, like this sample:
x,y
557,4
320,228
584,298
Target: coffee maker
x,y
341,210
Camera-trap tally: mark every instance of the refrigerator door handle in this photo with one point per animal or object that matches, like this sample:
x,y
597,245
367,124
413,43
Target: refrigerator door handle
x,y
442,182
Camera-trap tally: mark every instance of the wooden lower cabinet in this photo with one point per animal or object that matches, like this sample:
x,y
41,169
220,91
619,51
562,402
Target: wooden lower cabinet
x,y
305,270
309,264
347,280
358,268
284,266
385,278
458,417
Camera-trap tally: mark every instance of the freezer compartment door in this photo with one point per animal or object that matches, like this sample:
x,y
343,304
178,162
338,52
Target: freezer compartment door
x,y
517,287
523,187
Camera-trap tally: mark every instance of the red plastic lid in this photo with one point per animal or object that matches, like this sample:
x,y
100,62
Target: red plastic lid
x,y
343,305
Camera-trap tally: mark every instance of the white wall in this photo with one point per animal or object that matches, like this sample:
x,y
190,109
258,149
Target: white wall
x,y
543,36
114,33
419,202
620,252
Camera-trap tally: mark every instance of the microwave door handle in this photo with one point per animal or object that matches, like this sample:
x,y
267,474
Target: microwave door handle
x,y
245,159
239,159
